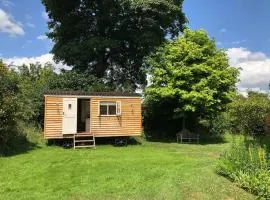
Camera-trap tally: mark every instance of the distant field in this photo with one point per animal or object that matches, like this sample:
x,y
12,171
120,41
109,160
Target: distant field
x,y
146,171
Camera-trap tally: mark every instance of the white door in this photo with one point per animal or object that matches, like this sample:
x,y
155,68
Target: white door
x,y
69,116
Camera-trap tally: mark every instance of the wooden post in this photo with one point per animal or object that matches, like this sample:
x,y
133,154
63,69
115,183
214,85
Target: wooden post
x,y
74,141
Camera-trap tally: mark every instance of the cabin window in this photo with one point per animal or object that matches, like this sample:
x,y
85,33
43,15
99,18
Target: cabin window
x,y
109,108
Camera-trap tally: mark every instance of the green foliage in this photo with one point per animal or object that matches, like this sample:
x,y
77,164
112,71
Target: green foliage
x,y
22,97
8,107
71,80
220,124
248,114
34,81
44,79
247,164
110,38
192,76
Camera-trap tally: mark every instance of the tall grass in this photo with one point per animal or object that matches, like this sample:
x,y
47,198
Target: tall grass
x,y
28,137
247,164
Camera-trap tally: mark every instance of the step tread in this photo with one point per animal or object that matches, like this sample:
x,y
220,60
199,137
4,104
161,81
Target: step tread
x,y
84,135
84,140
84,146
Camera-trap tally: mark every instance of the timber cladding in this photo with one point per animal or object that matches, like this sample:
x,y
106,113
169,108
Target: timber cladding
x,y
128,123
53,117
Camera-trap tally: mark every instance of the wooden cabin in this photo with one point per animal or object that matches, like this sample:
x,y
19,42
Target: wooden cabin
x,y
91,114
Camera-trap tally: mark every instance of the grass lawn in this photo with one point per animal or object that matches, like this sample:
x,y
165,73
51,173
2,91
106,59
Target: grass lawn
x,y
147,171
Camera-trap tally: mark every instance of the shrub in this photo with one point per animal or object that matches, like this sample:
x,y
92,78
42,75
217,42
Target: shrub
x,y
246,163
8,107
248,114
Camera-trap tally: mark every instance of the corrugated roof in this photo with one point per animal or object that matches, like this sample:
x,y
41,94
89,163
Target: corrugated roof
x,y
84,93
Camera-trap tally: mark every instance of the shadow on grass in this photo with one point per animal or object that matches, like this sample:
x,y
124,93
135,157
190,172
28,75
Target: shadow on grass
x,y
19,145
68,143
204,140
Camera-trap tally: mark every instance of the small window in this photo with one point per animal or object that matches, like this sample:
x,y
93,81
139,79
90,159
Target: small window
x,y
103,110
109,108
69,106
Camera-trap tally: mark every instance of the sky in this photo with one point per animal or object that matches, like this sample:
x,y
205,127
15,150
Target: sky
x,y
240,27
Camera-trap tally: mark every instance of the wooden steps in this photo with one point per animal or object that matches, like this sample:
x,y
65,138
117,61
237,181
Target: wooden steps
x,y
84,140
85,146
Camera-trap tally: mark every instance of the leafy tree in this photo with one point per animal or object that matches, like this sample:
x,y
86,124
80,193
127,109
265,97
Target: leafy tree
x,y
249,115
191,77
110,38
71,80
8,107
34,81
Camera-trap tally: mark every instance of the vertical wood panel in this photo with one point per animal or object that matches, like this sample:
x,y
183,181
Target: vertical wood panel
x,y
53,116
128,123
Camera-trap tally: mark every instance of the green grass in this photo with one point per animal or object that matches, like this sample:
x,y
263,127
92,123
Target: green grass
x,y
147,171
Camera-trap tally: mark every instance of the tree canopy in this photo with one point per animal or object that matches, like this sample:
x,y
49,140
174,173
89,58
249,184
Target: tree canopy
x,y
110,38
191,76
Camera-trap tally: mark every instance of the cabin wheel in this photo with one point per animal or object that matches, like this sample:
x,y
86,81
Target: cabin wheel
x,y
120,142
67,144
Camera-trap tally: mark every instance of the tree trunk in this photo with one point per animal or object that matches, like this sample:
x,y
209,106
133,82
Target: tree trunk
x,y
184,122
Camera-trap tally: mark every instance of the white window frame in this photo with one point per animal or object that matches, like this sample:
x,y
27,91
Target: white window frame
x,y
118,108
110,103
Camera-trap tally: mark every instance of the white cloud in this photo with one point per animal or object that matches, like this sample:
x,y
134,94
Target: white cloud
x,y
45,15
30,25
255,68
7,3
223,30
42,37
241,55
43,59
9,25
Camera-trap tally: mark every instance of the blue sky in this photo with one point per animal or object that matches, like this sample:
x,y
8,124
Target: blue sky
x,y
241,27
29,14
233,23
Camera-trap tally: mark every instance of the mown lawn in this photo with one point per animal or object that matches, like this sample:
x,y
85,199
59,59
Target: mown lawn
x,y
147,171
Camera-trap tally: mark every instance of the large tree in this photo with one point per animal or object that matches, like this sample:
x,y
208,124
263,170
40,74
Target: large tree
x,y
191,78
110,38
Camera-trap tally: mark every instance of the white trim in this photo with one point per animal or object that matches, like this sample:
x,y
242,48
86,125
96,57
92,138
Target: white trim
x,y
118,108
107,104
87,97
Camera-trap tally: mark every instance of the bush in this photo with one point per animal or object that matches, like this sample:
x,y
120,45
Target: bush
x,y
246,163
8,107
248,114
220,125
